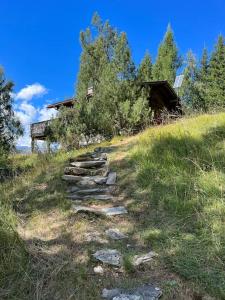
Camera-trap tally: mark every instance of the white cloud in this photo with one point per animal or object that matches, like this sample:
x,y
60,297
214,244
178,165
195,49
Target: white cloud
x,y
31,91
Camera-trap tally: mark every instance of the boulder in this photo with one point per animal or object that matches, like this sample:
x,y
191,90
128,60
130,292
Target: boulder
x,y
109,256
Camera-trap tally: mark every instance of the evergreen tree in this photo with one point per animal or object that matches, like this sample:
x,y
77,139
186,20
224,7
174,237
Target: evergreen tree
x,y
202,81
145,68
10,127
216,76
189,91
168,60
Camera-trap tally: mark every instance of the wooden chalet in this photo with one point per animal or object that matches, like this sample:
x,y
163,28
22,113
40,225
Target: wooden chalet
x,y
39,130
162,97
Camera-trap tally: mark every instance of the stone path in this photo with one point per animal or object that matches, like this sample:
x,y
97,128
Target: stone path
x,y
90,179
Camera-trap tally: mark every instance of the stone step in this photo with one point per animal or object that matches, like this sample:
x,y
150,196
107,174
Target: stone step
x,y
109,257
90,197
88,164
90,157
82,171
144,292
90,191
106,211
88,180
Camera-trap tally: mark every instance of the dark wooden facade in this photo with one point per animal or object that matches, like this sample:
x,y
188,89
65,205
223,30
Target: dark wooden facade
x,y
162,97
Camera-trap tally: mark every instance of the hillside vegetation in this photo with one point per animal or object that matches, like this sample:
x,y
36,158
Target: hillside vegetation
x,y
172,181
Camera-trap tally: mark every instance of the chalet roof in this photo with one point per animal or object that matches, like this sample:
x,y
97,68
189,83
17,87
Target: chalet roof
x,y
68,102
162,85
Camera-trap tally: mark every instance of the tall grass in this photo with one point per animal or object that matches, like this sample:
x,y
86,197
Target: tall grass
x,y
181,168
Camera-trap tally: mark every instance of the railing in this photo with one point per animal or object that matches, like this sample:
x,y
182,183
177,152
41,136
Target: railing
x,y
39,130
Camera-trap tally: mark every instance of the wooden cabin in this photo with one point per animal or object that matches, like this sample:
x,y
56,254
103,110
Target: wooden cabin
x,y
39,130
162,97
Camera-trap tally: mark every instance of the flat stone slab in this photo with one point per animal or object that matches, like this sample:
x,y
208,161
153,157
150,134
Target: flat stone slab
x,y
90,156
145,292
91,191
111,178
115,234
87,179
90,197
86,172
142,259
88,164
107,211
109,256
113,211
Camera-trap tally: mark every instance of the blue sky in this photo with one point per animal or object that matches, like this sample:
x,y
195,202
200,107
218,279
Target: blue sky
x,y
40,46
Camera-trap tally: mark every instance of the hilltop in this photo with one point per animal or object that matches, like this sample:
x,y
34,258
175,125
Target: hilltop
x,y
171,179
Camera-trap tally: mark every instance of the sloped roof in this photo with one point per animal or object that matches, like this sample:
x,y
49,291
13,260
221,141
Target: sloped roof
x,y
68,102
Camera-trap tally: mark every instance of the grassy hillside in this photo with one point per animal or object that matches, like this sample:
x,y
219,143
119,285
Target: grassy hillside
x,y
172,180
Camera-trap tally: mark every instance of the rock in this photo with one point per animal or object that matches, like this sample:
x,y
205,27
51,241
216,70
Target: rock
x,y
100,180
71,178
141,259
90,156
145,292
72,189
86,179
82,171
90,197
115,234
76,171
112,211
111,178
109,211
86,184
98,270
109,256
88,164
92,191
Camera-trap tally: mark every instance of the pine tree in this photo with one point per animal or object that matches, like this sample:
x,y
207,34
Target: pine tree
x,y
145,68
10,127
168,60
202,80
216,76
189,91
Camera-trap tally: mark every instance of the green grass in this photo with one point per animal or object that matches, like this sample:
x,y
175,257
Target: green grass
x,y
180,168
172,178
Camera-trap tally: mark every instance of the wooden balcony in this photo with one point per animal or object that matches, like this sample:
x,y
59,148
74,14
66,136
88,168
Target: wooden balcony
x,y
39,130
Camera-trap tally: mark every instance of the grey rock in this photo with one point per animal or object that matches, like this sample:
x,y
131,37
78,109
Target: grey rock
x,y
77,171
141,259
109,211
145,292
86,179
90,197
100,180
91,191
88,164
111,178
115,234
72,189
90,156
71,178
109,256
112,211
